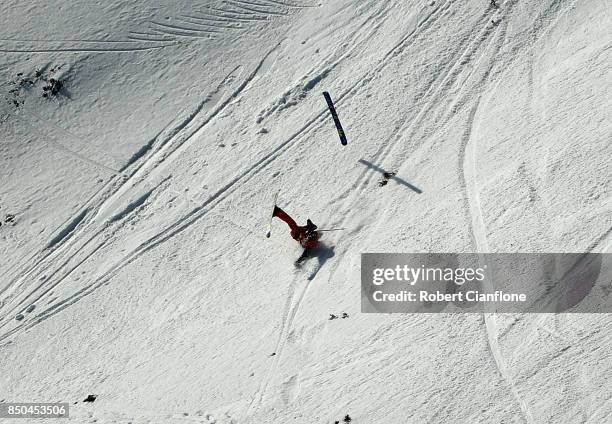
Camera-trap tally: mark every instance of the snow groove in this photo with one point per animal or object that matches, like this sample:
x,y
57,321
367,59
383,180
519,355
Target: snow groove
x,y
114,189
47,283
249,8
68,230
218,19
79,45
160,237
480,240
286,318
434,91
52,134
292,307
221,194
181,30
211,202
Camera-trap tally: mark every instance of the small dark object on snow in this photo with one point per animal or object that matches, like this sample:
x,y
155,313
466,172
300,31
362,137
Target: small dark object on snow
x,y
16,103
90,398
344,315
9,218
20,74
336,422
38,73
54,86
273,354
332,316
385,180
494,3
347,419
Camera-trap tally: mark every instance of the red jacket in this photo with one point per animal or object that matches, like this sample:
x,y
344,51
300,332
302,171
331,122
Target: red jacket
x,y
306,235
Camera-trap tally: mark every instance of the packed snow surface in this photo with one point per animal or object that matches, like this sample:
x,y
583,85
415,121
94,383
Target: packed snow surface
x,y
135,196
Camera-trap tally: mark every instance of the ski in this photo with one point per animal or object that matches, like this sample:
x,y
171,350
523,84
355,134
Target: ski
x,y
269,232
332,229
334,115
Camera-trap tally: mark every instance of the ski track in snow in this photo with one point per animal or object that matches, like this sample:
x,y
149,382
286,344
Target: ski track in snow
x,y
434,92
176,133
478,224
480,238
217,19
475,40
360,184
80,46
94,226
468,178
53,133
441,83
98,201
214,200
290,311
177,227
122,180
47,283
133,174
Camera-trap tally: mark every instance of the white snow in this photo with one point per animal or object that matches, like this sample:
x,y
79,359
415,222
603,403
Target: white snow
x,y
137,257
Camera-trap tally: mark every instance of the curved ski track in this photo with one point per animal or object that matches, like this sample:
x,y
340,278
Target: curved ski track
x,y
232,17
357,188
213,21
468,176
257,167
480,239
468,179
171,141
212,201
221,18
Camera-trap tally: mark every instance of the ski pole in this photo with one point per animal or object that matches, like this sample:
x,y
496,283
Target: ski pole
x,y
332,229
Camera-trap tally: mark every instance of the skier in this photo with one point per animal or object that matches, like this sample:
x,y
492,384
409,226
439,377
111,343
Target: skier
x,y
306,235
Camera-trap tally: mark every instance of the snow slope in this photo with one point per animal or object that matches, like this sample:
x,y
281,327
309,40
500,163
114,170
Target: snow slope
x,y
136,267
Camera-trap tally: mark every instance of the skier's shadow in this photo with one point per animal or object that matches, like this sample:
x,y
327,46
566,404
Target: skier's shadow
x,y
321,253
391,176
